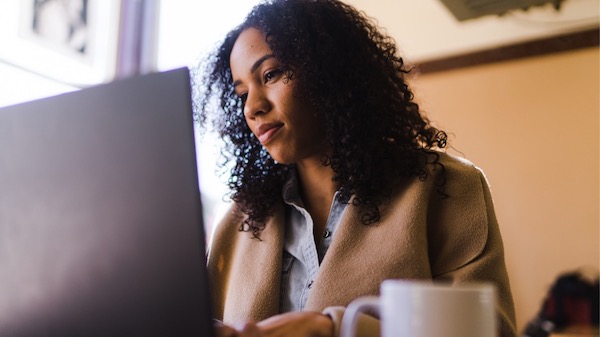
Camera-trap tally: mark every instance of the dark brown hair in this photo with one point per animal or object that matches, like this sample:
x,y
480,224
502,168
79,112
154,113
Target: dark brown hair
x,y
351,72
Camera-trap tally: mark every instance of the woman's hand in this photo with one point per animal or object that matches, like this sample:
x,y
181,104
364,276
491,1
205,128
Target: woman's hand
x,y
248,330
299,323
292,324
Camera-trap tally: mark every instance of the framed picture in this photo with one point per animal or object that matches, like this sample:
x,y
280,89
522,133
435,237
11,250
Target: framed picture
x,y
71,41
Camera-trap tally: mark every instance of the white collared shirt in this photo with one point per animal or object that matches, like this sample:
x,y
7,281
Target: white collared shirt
x,y
301,256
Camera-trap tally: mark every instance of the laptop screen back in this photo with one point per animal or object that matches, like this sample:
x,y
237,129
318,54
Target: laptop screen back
x,y
101,230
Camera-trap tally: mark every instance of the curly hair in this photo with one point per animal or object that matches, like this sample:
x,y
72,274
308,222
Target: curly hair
x,y
350,71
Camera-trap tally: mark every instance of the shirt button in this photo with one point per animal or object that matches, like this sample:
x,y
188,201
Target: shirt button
x,y
327,234
310,284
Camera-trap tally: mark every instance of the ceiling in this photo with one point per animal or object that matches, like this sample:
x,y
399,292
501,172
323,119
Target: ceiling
x,y
426,30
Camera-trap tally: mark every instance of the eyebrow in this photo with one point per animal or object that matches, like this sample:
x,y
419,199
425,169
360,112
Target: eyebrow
x,y
255,66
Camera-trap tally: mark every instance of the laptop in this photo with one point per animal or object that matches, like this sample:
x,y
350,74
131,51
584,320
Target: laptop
x,y
101,230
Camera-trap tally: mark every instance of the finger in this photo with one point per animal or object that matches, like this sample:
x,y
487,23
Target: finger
x,y
251,330
225,331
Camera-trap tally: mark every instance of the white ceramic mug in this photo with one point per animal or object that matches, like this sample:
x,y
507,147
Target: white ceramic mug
x,y
419,309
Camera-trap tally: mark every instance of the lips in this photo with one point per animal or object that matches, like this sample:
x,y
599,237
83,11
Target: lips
x,y
266,131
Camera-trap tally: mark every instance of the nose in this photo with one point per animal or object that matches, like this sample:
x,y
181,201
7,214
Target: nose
x,y
256,104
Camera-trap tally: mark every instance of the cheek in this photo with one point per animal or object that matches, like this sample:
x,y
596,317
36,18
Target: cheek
x,y
308,116
310,127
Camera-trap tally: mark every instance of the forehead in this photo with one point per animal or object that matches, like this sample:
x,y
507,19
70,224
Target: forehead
x,y
249,47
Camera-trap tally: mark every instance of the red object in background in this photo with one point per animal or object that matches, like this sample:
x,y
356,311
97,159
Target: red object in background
x,y
572,302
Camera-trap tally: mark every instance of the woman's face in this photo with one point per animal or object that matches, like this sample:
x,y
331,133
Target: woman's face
x,y
284,123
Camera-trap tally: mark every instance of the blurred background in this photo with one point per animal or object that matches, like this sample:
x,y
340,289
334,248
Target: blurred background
x,y
517,90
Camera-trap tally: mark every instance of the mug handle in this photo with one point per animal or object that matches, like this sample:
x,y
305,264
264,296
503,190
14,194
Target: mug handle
x,y
353,310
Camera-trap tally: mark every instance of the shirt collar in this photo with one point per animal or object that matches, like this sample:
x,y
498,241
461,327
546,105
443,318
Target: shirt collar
x,y
291,188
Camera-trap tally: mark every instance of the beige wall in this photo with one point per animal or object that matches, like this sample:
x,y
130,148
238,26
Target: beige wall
x,y
532,126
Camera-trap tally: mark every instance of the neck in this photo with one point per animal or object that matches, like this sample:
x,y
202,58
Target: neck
x,y
317,190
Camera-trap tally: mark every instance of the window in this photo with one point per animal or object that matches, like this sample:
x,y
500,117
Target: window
x,y
187,30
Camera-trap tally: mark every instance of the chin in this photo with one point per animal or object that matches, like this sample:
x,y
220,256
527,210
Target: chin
x,y
280,157
282,160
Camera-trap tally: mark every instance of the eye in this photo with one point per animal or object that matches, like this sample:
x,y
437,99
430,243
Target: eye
x,y
272,74
243,97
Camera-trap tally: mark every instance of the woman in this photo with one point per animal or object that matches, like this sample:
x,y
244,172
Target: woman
x,y
338,179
